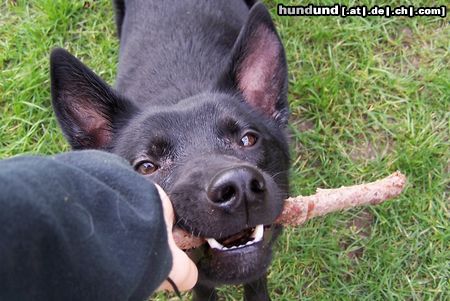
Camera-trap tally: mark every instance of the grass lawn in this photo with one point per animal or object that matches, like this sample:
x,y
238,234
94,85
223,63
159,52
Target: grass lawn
x,y
368,96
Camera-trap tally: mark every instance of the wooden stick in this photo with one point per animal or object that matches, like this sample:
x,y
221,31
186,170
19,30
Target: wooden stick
x,y
300,209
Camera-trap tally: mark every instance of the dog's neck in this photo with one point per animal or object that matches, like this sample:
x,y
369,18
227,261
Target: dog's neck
x,y
170,45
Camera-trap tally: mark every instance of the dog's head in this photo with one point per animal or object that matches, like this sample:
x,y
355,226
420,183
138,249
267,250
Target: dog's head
x,y
221,155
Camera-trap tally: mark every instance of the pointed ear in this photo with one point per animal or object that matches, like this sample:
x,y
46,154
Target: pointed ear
x,y
87,109
258,66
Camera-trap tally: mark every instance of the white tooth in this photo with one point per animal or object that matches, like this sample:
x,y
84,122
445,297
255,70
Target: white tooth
x,y
214,244
258,233
249,242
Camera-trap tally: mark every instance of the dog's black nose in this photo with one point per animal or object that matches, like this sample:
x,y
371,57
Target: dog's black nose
x,y
230,188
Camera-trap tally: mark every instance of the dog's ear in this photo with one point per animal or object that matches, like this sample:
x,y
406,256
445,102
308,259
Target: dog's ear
x,y
86,107
258,66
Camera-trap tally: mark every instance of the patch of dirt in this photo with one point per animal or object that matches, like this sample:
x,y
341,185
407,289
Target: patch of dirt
x,y
360,225
407,37
304,125
364,150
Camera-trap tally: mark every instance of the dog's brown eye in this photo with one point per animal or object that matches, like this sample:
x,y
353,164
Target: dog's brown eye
x,y
146,168
248,140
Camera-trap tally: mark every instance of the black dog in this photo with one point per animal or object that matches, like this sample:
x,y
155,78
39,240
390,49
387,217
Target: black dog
x,y
199,107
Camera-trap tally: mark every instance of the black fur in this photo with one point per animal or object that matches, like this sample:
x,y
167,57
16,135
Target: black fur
x,y
194,78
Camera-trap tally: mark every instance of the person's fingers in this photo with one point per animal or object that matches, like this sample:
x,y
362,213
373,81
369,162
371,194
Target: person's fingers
x,y
184,272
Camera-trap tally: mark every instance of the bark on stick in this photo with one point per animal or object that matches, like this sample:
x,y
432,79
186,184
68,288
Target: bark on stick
x,y
300,209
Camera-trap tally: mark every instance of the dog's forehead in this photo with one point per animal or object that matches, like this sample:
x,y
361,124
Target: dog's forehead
x,y
202,112
191,120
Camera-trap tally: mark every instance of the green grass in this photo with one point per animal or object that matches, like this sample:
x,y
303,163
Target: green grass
x,y
368,96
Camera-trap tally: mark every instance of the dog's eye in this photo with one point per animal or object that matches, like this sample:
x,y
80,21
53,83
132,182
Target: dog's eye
x,y
146,167
248,140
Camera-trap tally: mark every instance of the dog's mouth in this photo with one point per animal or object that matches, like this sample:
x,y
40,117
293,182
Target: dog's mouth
x,y
237,258
242,239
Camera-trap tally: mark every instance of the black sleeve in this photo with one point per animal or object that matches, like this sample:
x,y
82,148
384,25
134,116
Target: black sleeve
x,y
79,226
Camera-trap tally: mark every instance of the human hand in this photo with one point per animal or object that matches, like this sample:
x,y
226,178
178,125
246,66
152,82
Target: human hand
x,y
184,273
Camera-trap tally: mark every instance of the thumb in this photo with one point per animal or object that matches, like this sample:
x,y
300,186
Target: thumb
x,y
184,272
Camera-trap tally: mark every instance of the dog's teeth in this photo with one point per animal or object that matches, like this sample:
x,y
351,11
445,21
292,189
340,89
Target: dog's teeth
x,y
258,233
214,244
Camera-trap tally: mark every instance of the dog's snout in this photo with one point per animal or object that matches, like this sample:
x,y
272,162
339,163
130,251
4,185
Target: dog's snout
x,y
230,188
